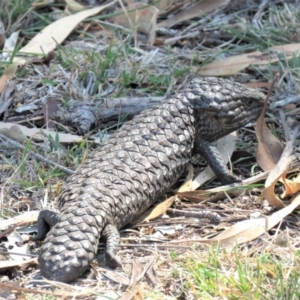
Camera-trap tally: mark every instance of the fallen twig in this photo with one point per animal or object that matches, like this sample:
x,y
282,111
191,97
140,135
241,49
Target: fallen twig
x,y
36,156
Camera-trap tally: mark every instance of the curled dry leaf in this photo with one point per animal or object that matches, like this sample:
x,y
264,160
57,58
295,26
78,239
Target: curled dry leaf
x,y
271,156
269,148
279,171
291,186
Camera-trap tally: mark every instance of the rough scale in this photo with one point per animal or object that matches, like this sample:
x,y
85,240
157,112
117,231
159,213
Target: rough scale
x,y
135,167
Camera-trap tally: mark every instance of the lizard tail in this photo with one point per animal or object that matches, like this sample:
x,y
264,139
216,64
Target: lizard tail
x,y
72,243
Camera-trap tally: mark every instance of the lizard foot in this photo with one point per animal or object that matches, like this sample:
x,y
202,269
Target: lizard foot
x,y
47,219
112,237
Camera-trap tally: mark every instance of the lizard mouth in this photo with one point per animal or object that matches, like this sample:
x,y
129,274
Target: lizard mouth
x,y
240,118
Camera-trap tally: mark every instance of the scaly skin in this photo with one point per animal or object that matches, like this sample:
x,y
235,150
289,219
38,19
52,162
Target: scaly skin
x,y
135,167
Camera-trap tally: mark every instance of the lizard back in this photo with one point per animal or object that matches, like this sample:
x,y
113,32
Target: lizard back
x,y
117,183
137,165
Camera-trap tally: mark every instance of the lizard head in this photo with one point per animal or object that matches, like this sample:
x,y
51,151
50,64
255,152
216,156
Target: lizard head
x,y
222,106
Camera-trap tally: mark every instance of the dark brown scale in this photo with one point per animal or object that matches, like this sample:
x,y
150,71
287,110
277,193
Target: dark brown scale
x,y
135,167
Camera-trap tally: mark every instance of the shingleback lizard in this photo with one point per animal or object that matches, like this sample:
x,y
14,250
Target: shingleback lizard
x,y
135,167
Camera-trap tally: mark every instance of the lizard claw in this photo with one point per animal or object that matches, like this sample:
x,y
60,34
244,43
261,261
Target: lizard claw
x,y
112,261
230,178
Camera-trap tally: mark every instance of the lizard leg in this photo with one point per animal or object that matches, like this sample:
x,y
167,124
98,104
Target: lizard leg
x,y
112,238
47,219
215,161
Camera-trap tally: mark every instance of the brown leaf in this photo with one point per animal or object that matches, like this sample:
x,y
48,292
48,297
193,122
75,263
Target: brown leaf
x,y
155,212
14,133
188,181
269,147
138,272
73,6
3,81
8,74
196,10
173,8
196,196
48,111
132,290
214,194
6,97
164,5
152,275
46,59
247,230
143,19
234,64
26,217
291,186
271,156
5,167
17,263
257,84
36,134
46,41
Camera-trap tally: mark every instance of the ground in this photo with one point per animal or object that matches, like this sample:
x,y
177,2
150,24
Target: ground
x,y
105,57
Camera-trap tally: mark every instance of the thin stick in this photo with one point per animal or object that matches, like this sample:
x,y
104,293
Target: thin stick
x,y
37,156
